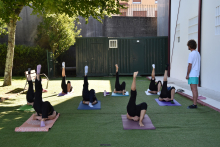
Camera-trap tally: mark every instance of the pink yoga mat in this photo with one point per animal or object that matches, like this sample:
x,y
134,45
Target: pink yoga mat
x,y
131,125
34,125
201,98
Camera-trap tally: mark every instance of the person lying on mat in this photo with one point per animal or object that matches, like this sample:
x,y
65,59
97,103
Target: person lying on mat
x,y
154,88
135,112
66,88
119,88
89,96
44,110
167,94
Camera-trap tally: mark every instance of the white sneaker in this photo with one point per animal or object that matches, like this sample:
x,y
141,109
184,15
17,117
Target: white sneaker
x,y
86,69
158,93
90,105
63,64
153,65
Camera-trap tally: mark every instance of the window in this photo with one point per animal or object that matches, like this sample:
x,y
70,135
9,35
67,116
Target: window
x,y
178,32
193,28
136,1
113,44
217,21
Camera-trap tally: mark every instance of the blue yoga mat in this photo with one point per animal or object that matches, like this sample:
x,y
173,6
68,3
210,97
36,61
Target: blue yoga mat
x,y
86,107
120,94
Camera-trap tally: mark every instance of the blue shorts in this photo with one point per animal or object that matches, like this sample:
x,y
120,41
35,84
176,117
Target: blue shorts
x,y
193,80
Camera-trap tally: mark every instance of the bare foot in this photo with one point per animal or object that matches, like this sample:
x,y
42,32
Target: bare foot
x,y
123,92
135,74
141,124
116,65
114,90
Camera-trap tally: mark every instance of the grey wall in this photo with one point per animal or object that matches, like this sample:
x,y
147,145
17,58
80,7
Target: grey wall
x,y
26,28
130,26
162,17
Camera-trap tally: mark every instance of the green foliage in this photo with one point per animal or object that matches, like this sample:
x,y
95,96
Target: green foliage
x,y
24,57
3,30
57,33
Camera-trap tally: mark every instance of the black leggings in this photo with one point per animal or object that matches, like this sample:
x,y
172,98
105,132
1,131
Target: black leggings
x,y
30,92
132,108
164,92
64,85
153,86
88,95
44,108
119,87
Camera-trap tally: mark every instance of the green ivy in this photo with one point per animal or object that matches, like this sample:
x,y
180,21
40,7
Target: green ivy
x,y
24,57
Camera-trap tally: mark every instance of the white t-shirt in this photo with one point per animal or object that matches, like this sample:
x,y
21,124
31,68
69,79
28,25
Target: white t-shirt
x,y
194,59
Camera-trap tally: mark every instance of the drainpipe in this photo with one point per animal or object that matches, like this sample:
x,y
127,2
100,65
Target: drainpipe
x,y
199,34
169,19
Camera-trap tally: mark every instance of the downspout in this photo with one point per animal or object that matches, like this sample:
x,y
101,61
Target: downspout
x,y
199,35
169,19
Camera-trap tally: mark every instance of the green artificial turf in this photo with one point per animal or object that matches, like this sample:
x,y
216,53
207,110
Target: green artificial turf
x,y
175,125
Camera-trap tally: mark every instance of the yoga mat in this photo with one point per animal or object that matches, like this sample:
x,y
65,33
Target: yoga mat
x,y
147,93
26,108
120,94
34,125
86,107
162,103
131,125
201,98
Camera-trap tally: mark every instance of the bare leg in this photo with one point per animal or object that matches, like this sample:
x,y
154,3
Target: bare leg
x,y
68,87
116,66
29,77
158,87
172,94
63,72
165,76
153,74
195,93
38,72
142,117
133,85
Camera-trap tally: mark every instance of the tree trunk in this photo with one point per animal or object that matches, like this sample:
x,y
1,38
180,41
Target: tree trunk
x,y
10,52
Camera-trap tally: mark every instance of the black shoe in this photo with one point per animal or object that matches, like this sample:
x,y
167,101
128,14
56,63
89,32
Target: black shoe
x,y
192,106
172,102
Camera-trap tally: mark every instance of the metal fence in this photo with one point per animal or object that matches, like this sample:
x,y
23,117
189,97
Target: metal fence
x,y
139,10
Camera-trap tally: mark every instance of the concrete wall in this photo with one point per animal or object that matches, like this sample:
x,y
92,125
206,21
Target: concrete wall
x,y
162,17
179,51
210,49
130,26
26,28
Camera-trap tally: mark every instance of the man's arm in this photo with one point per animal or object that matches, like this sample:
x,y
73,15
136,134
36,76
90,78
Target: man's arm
x,y
188,71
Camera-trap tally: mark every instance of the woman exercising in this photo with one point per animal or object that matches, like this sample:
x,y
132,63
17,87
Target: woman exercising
x,y
66,88
44,109
154,88
119,88
89,97
166,95
135,112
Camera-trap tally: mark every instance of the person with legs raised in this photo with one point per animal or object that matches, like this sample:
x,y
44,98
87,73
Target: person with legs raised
x,y
44,110
166,95
135,112
119,88
66,88
89,96
154,88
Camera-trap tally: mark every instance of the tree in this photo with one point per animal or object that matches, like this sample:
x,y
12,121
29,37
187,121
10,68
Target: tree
x,y
57,33
10,10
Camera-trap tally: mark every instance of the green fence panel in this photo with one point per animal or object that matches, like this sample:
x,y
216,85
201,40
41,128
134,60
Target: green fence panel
x,y
131,54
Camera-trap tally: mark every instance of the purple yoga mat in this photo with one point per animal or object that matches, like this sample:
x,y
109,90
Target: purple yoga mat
x,y
131,125
162,103
201,98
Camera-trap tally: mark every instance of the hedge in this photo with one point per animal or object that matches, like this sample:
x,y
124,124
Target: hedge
x,y
24,57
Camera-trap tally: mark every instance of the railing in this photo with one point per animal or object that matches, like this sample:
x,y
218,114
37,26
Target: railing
x,y
139,10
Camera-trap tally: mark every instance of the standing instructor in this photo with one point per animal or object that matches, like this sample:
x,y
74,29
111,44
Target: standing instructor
x,y
193,71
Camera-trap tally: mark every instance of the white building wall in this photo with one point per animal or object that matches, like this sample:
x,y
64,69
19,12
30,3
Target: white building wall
x,y
210,47
179,51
